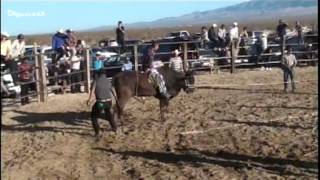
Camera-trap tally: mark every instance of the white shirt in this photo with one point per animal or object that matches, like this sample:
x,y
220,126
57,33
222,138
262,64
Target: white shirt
x,y
234,33
222,33
17,48
264,42
75,63
176,63
127,66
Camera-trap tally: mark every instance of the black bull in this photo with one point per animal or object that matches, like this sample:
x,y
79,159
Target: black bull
x,y
130,83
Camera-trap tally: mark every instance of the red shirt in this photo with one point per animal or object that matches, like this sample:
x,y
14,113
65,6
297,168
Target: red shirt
x,y
25,70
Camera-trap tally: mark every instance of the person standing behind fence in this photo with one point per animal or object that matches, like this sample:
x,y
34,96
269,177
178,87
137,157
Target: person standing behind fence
x,y
176,62
288,63
299,33
58,45
25,70
222,35
75,78
71,42
120,32
213,35
98,62
127,65
244,36
204,37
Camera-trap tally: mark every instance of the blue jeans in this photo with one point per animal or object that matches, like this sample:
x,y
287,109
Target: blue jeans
x,y
288,73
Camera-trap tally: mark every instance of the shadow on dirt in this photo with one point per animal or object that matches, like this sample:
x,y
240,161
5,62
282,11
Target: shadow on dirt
x,y
273,124
225,159
31,122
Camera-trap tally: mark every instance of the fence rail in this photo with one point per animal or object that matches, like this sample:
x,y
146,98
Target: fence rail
x,y
43,88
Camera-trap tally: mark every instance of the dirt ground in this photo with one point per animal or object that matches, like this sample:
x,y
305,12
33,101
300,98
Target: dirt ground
x,y
241,132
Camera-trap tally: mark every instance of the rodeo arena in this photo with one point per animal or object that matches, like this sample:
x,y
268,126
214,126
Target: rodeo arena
x,y
224,103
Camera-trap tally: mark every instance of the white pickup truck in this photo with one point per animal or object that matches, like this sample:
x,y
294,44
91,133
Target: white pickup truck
x,y
178,34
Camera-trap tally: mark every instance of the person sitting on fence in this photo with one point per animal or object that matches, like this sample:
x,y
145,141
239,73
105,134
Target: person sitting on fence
x,y
288,62
102,88
18,47
71,41
204,37
149,67
213,35
6,57
176,62
59,45
222,35
127,65
26,73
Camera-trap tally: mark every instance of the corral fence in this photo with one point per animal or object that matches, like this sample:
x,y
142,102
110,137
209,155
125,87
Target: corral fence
x,y
43,87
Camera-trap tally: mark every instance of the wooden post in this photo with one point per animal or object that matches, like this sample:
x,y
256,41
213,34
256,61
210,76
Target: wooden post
x,y
185,57
136,57
233,56
42,79
36,60
87,70
283,44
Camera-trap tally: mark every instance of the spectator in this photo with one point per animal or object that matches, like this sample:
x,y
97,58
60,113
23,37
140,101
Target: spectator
x,y
299,33
98,62
75,78
25,70
176,62
288,62
234,31
127,66
120,35
58,45
204,37
261,45
282,32
5,92
244,36
18,47
222,35
213,35
6,56
80,48
71,42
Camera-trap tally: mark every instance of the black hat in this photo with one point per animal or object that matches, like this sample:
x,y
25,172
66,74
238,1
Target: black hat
x,y
20,36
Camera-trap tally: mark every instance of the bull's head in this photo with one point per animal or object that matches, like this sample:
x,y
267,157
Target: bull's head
x,y
189,82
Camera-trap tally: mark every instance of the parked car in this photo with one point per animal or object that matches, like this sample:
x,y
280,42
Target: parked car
x,y
114,64
13,89
179,34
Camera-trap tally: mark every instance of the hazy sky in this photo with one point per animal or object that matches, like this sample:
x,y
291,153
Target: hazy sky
x,y
29,17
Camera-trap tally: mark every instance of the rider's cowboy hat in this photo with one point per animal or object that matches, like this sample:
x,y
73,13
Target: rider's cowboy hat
x,y
235,24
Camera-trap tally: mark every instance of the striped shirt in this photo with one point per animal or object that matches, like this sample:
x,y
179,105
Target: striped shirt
x,y
176,64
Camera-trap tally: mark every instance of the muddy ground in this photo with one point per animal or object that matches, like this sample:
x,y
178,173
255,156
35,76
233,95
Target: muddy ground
x,y
240,132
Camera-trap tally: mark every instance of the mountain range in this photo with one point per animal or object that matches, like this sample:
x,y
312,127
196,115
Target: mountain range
x,y
252,10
